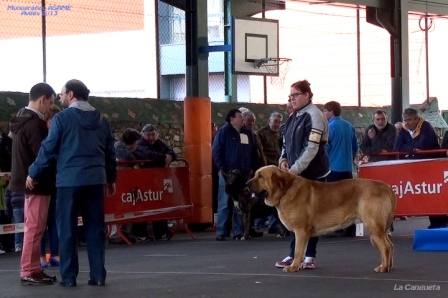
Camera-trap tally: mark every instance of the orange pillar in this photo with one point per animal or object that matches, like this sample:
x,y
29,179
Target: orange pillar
x,y
198,153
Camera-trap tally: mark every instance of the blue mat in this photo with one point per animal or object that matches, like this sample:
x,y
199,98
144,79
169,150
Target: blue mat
x,y
431,240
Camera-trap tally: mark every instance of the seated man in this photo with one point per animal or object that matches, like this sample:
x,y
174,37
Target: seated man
x,y
125,148
380,137
418,134
151,147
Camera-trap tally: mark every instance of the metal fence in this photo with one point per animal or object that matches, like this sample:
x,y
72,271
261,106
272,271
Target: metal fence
x,y
136,48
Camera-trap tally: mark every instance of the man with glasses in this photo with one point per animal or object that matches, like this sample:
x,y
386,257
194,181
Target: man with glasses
x,y
81,142
269,136
303,153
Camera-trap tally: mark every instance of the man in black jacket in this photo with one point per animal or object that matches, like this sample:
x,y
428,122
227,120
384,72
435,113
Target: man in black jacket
x,y
152,148
380,137
30,129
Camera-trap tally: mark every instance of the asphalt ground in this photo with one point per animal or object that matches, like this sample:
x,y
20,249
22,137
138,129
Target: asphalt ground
x,y
183,267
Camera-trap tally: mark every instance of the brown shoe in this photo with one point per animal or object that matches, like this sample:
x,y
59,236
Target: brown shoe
x,y
35,279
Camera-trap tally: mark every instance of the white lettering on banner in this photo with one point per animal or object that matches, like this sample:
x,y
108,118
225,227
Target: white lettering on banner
x,y
416,189
141,196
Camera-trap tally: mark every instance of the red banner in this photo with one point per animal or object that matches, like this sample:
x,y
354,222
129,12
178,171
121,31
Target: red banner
x,y
421,186
155,194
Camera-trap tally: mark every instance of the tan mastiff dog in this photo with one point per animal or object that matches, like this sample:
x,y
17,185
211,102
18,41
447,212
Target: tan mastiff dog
x,y
312,208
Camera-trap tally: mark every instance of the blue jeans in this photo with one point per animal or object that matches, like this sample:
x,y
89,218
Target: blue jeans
x,y
89,200
51,231
259,222
273,222
18,217
224,208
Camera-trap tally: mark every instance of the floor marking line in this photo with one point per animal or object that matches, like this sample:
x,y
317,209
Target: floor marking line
x,y
280,275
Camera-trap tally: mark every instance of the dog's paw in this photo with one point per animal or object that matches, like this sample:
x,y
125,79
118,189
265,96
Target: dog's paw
x,y
291,269
381,269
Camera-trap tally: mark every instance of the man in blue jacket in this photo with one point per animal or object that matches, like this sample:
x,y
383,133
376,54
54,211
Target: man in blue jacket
x,y
81,142
342,148
416,135
233,147
342,145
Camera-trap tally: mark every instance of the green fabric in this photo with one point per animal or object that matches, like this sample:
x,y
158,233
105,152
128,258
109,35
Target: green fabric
x,y
138,110
170,111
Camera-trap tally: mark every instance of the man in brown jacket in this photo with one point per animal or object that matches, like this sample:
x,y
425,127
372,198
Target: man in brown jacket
x,y
29,129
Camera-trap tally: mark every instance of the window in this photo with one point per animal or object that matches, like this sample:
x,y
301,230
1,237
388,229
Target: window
x,y
177,25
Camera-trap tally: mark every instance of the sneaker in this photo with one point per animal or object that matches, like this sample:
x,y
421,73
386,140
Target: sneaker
x,y
285,262
18,249
2,252
169,235
308,264
144,239
389,233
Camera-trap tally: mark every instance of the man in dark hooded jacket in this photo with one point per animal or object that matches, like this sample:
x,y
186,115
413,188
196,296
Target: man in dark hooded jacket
x,y
29,129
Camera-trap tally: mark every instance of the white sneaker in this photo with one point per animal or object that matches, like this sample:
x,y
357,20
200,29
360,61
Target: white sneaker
x,y
18,249
308,263
2,251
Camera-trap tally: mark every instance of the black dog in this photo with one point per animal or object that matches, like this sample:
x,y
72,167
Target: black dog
x,y
247,204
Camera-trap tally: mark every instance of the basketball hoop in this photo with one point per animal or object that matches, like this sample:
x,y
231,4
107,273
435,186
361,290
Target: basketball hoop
x,y
277,66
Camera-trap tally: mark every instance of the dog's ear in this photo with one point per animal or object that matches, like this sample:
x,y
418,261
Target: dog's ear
x,y
276,185
277,179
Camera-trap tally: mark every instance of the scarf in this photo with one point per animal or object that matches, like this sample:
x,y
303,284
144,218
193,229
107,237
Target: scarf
x,y
416,132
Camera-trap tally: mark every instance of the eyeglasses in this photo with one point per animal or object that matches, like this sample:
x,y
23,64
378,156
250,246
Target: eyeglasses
x,y
60,94
294,95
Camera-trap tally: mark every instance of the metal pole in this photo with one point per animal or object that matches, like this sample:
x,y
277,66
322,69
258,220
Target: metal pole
x,y
396,64
228,86
358,53
156,13
265,87
191,36
44,41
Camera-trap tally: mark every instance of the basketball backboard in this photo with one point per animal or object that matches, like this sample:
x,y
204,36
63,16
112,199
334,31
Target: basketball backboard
x,y
252,40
